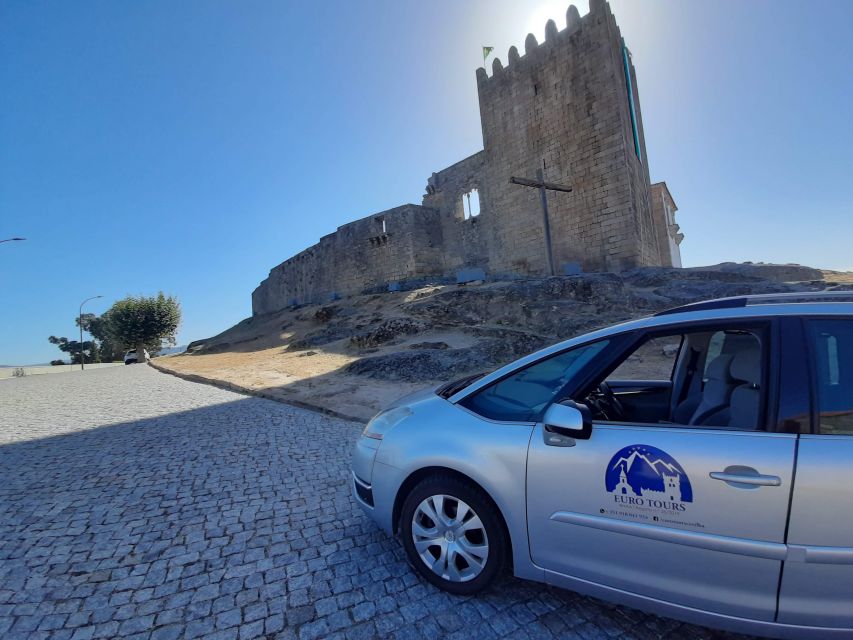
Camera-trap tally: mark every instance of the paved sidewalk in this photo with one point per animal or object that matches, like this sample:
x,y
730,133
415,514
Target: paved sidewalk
x,y
137,505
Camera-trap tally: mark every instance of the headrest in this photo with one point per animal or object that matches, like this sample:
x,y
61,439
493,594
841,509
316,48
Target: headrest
x,y
719,368
746,366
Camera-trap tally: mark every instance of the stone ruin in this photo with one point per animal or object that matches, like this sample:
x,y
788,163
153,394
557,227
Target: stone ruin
x,y
568,107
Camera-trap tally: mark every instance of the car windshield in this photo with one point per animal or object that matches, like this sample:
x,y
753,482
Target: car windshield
x,y
524,394
452,388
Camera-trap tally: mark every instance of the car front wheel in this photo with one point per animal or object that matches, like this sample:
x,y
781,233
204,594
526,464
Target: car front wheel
x,y
453,534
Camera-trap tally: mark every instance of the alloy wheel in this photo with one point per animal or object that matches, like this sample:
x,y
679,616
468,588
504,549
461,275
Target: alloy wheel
x,y
450,538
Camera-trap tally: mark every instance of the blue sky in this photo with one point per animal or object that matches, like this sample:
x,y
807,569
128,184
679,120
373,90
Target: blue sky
x,y
192,146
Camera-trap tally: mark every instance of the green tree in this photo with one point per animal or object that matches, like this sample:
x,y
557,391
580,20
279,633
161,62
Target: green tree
x,y
72,348
144,322
95,352
99,327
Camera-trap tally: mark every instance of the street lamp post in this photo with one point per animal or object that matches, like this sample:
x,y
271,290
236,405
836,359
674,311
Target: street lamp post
x,y
11,240
80,322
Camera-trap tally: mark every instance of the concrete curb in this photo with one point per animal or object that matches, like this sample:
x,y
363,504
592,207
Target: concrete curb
x,y
260,393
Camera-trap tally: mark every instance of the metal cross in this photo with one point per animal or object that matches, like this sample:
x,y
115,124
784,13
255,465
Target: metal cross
x,y
543,187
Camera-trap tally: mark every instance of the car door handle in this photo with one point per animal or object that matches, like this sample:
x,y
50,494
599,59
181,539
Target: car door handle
x,y
745,477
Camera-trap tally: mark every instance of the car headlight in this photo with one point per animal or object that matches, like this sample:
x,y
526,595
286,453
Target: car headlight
x,y
384,421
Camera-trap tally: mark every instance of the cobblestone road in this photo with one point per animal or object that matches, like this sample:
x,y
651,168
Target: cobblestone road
x,y
137,505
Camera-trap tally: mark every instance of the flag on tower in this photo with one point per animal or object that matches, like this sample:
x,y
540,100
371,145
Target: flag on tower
x,y
486,52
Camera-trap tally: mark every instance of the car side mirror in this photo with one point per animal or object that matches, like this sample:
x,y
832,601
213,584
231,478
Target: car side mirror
x,y
569,419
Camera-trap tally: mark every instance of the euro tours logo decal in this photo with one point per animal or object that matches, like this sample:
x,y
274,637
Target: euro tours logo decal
x,y
644,476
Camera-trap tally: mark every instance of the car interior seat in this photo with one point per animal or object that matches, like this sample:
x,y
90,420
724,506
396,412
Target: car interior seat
x,y
716,392
746,397
742,409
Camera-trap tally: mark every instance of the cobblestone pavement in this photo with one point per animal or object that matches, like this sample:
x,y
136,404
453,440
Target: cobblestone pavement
x,y
137,505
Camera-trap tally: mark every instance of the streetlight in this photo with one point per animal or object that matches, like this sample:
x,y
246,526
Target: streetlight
x,y
11,239
80,322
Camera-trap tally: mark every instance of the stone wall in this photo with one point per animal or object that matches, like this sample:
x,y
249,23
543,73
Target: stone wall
x,y
563,107
358,256
465,244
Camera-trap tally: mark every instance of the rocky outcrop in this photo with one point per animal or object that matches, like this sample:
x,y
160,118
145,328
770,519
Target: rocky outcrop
x,y
439,332
388,331
775,272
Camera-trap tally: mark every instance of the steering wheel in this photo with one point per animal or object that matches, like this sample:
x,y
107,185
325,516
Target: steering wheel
x,y
606,403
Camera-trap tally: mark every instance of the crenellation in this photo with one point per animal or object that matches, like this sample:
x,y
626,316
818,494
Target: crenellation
x,y
513,57
573,18
550,31
599,7
569,107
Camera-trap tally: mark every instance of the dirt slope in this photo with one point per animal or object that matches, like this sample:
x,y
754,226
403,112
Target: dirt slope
x,y
355,355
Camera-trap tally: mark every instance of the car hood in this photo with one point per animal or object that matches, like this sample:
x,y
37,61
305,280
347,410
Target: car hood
x,y
414,397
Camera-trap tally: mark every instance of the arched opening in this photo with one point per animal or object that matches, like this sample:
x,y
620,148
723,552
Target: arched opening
x,y
471,204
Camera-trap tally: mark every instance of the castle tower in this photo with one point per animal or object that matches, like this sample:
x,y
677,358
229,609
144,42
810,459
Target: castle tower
x,y
569,106
667,229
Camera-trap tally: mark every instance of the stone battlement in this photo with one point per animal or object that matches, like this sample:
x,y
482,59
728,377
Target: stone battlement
x,y
552,34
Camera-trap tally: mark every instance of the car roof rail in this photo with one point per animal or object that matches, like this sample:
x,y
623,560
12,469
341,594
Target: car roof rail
x,y
720,303
794,297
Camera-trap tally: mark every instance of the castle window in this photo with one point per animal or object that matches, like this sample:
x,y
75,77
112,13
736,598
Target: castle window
x,y
471,204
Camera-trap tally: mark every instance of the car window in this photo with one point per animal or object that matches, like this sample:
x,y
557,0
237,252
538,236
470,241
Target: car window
x,y
715,348
653,384
653,360
832,345
524,395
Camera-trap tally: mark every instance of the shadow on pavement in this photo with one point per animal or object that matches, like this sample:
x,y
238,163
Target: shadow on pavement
x,y
236,519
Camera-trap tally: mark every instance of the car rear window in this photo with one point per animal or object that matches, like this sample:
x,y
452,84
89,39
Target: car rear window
x,y
832,345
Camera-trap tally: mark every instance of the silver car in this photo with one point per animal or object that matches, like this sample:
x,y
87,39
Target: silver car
x,y
696,464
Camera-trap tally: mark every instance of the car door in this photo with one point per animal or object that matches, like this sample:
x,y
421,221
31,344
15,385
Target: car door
x,y
690,516
817,580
